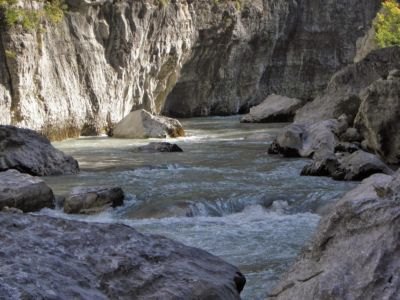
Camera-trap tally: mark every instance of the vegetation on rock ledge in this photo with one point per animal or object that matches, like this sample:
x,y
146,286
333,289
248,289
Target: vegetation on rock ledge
x,y
387,24
30,16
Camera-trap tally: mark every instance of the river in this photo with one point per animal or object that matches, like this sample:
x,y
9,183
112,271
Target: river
x,y
223,194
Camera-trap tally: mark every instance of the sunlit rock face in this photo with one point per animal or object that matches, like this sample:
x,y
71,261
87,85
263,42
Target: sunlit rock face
x,y
186,58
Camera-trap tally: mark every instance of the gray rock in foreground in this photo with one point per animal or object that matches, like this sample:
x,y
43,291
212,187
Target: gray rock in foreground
x,y
29,152
24,192
60,259
141,124
355,252
356,166
92,200
275,108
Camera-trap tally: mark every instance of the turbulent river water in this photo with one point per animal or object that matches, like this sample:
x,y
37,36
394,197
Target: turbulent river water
x,y
223,194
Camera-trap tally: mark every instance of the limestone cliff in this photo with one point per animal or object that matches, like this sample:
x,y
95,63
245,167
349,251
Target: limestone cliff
x,y
183,58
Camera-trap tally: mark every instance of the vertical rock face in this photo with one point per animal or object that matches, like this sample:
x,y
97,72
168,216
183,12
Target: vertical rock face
x,y
378,117
289,48
185,58
343,94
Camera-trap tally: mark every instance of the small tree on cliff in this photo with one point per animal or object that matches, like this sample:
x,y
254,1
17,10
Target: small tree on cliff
x,y
387,24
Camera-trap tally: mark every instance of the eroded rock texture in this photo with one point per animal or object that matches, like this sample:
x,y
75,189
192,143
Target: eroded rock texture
x,y
30,152
355,252
61,259
187,58
379,117
342,96
24,192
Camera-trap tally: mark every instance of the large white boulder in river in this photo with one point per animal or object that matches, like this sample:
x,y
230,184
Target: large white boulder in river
x,y
275,108
140,124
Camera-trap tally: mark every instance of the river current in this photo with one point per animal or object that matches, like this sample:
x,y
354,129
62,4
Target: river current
x,y
223,194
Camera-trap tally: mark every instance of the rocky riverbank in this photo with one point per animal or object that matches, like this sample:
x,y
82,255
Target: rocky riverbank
x,y
64,259
355,252
357,113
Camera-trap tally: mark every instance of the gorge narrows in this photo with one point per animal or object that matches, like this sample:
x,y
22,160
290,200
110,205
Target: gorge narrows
x,y
223,194
199,149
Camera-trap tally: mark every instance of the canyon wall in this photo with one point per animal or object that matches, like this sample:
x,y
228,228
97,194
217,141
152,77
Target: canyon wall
x,y
184,58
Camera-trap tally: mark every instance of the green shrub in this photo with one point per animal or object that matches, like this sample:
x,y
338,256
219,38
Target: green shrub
x,y
10,53
387,24
237,3
31,18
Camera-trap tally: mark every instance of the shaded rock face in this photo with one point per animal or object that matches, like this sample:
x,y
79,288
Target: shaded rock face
x,y
92,200
187,58
273,109
24,192
159,147
309,140
355,252
29,152
356,166
105,261
342,96
267,50
378,117
140,124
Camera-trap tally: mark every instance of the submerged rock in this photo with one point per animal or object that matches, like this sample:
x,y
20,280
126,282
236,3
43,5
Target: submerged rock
x,y
275,108
159,147
141,124
63,259
355,252
92,200
29,152
356,166
379,117
24,192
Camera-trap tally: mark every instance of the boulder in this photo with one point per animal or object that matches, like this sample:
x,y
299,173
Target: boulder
x,y
140,124
159,147
305,140
356,166
355,251
92,200
54,258
275,108
342,96
360,165
29,152
378,118
351,135
24,192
